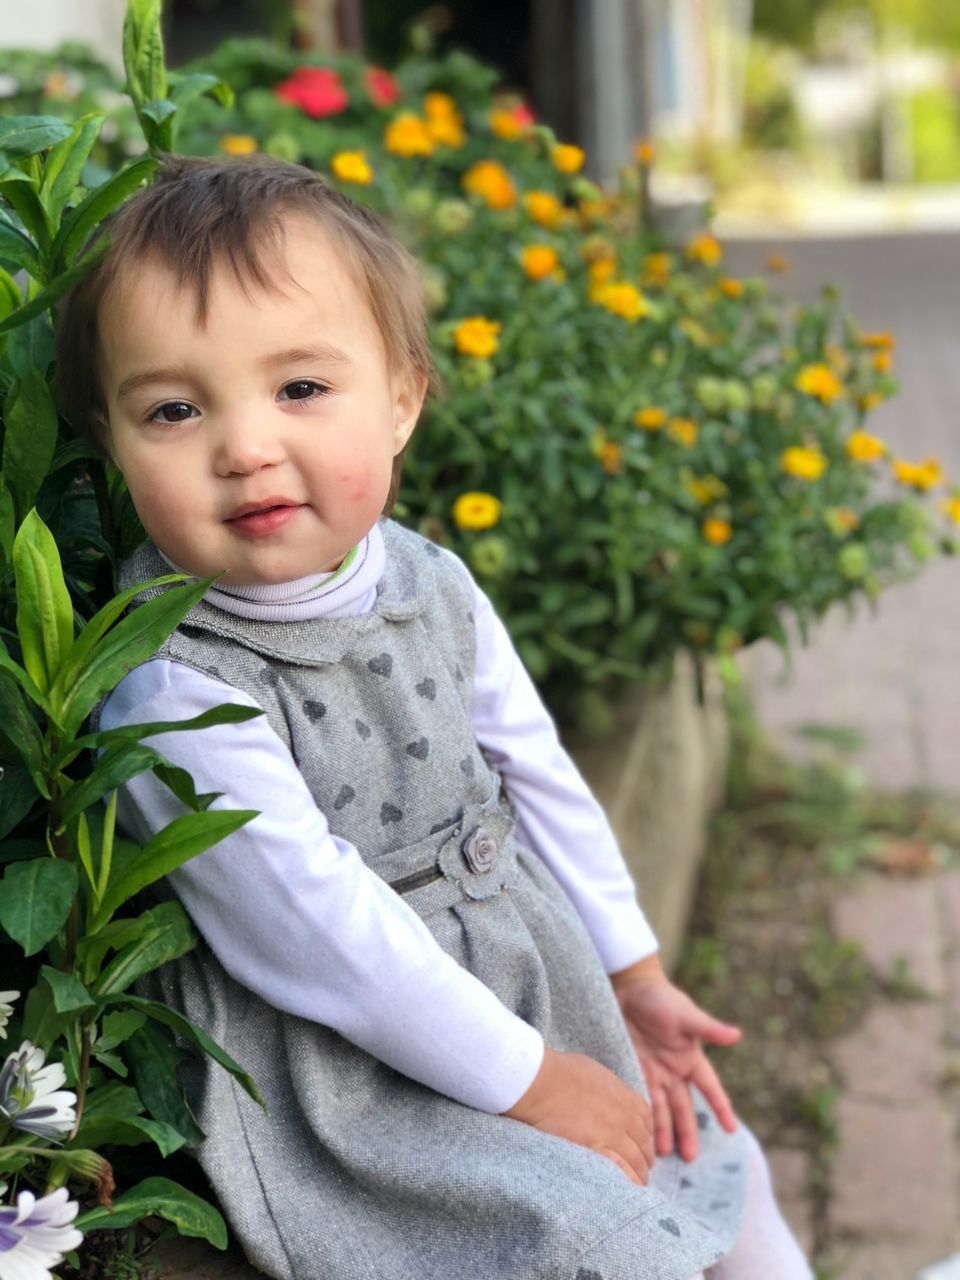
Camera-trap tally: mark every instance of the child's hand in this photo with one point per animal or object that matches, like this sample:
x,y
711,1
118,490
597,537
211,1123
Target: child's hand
x,y
576,1098
668,1032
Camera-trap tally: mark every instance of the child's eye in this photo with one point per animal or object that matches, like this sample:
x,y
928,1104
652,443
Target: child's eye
x,y
172,411
303,389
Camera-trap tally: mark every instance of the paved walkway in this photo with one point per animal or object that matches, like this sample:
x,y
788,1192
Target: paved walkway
x,y
892,673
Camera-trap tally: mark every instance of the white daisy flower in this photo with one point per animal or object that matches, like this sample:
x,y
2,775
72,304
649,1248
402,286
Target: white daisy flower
x,y
31,1098
35,1234
6,1008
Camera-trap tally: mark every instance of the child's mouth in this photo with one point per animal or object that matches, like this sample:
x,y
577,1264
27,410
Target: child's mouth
x,y
258,518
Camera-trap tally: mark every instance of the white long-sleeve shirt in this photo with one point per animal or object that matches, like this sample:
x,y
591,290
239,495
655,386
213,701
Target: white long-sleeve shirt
x,y
292,912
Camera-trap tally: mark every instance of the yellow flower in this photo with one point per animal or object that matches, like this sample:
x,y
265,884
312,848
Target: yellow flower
x,y
878,341
872,400
476,336
683,430
705,248
611,456
447,131
863,447
717,531
439,105
539,261
238,144
650,418
918,475
706,489
730,288
952,508
566,158
882,362
777,262
839,360
657,268
622,298
506,125
476,511
595,210
596,249
644,153
602,270
352,166
543,207
819,381
408,135
806,462
490,180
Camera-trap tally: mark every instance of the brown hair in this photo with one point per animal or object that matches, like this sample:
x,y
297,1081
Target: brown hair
x,y
199,213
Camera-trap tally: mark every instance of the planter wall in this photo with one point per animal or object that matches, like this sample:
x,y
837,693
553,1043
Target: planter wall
x,y
659,775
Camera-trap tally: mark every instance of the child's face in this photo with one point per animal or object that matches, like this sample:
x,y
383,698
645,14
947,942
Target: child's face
x,y
262,443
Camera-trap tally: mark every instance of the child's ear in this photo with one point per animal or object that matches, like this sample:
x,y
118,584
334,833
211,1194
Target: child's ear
x,y
410,390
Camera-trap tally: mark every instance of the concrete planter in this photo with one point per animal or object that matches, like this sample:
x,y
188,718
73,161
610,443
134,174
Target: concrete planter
x,y
659,775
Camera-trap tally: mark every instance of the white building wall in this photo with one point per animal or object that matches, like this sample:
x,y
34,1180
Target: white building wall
x,y
43,24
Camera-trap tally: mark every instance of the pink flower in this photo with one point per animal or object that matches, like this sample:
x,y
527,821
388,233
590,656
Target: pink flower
x,y
317,91
523,115
382,87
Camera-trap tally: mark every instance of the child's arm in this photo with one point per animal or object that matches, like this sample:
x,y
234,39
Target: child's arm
x,y
563,823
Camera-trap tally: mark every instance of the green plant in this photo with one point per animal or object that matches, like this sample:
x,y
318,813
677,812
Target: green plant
x,y
76,935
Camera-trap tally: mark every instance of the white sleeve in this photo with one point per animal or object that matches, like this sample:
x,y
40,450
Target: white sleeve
x,y
293,913
559,817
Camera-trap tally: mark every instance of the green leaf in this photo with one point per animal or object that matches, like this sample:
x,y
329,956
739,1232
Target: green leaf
x,y
29,135
42,1025
95,629
94,946
20,193
195,1036
10,295
20,728
117,1027
17,797
117,765
78,225
8,521
143,51
69,993
167,936
56,288
182,786
23,679
189,87
226,713
31,346
61,173
153,1059
30,417
18,250
177,843
35,899
44,609
127,1131
159,1198
132,641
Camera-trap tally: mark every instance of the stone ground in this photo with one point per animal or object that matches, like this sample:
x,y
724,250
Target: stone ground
x,y
894,675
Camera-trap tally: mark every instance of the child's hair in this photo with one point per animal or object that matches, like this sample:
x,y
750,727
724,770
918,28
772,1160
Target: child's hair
x,y
199,213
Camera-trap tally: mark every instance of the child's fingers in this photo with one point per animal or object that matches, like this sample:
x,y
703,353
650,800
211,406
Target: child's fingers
x,y
713,1031
662,1115
708,1082
637,1169
684,1121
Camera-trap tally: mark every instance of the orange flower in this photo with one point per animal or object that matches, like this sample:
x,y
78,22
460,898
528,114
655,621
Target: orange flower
x,y
730,288
352,166
918,475
819,381
504,123
447,130
684,430
408,135
622,298
238,144
438,105
543,207
872,400
477,336
878,341
489,180
611,456
882,362
539,261
951,507
644,153
602,271
705,248
717,531
567,158
476,511
806,462
657,268
651,418
777,262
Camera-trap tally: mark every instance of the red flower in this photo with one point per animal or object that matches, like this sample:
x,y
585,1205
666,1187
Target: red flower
x,y
382,87
523,115
317,91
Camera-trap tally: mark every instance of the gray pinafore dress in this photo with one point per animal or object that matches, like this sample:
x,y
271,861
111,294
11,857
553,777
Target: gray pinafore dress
x,y
357,1172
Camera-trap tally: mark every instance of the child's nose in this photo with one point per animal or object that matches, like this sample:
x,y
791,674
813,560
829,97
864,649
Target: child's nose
x,y
244,446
